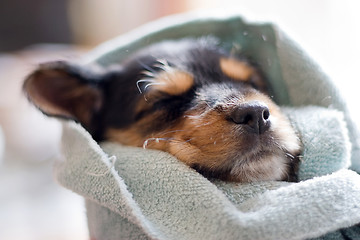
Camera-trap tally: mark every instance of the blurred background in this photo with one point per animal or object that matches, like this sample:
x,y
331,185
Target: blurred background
x,y
32,205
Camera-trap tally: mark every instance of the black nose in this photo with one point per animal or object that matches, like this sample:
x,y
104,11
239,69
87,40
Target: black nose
x,y
253,115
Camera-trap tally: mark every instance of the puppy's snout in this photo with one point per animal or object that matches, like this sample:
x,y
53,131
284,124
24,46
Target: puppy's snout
x,y
254,116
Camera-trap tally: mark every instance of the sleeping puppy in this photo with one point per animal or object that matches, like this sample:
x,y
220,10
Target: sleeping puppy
x,y
209,109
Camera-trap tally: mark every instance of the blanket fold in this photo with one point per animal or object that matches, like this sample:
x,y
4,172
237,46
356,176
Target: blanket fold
x,y
161,198
133,193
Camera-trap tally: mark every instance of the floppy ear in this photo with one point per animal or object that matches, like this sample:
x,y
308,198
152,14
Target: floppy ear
x,y
64,90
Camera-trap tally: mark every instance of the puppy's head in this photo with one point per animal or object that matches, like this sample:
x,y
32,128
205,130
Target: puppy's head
x,y
207,108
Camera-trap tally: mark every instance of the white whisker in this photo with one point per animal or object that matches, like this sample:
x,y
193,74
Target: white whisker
x,y
163,65
163,62
145,80
164,68
172,131
148,73
152,84
157,140
289,155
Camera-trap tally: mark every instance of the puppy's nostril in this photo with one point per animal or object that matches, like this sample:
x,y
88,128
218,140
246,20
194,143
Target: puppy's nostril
x,y
254,116
266,114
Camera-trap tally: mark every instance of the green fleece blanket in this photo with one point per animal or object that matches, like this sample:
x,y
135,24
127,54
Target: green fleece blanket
x,y
132,193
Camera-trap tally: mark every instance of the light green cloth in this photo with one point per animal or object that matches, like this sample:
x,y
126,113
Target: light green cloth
x,y
133,193
324,137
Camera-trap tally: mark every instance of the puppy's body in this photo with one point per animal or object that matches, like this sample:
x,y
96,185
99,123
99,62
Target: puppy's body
x,y
186,97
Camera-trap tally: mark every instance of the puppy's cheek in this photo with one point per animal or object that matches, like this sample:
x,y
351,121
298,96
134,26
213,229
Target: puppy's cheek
x,y
210,143
129,137
185,152
284,133
195,156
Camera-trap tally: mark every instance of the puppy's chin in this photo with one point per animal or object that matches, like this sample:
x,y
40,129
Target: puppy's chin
x,y
265,167
261,166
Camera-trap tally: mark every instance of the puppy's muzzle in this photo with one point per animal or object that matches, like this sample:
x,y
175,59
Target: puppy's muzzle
x,y
254,116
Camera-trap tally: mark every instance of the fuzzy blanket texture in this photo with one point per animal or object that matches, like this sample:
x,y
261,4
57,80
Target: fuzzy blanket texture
x,y
132,193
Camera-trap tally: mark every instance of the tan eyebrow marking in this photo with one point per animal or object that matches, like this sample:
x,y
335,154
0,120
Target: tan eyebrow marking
x,y
173,82
236,69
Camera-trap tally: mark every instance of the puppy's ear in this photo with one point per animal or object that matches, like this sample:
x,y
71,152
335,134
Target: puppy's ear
x,y
63,90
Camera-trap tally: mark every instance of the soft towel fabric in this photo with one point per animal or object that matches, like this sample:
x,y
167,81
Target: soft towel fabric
x,y
132,193
129,197
324,136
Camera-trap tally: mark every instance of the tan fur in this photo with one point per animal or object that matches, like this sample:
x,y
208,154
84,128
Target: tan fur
x,y
133,136
235,69
173,82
